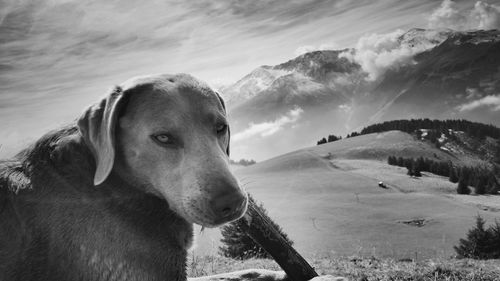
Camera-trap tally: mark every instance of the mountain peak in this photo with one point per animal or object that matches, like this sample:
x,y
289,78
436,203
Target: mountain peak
x,y
426,38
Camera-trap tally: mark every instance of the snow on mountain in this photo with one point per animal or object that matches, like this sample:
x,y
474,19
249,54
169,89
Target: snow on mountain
x,y
424,39
253,83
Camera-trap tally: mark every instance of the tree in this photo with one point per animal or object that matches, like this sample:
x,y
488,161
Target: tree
x,y
492,186
480,187
410,171
495,240
463,187
417,173
238,245
392,160
401,161
321,141
420,164
453,174
480,243
496,156
416,168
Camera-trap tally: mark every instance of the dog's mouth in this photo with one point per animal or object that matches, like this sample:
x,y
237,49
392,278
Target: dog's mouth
x,y
204,216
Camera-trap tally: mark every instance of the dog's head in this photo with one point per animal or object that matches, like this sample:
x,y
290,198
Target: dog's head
x,y
167,134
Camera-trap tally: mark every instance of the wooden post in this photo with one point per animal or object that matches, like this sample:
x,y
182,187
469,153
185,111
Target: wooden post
x,y
260,229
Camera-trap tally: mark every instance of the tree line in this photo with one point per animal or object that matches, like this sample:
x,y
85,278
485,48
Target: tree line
x,y
473,129
331,138
483,180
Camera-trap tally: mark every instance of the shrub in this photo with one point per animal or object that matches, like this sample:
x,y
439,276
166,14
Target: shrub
x,y
481,243
238,245
463,187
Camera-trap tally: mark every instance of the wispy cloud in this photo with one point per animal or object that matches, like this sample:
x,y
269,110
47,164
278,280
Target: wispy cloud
x,y
492,102
481,16
266,129
309,48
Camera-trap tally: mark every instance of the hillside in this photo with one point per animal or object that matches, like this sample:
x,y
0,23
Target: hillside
x,y
327,199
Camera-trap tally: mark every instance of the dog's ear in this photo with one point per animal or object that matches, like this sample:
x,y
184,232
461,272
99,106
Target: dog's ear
x,y
97,126
228,131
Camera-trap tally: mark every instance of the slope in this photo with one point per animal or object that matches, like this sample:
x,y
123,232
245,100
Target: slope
x,y
331,203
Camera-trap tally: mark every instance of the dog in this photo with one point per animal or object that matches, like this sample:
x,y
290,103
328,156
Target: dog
x,y
114,196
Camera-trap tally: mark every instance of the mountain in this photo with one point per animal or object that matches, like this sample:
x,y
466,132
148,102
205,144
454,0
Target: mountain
x,y
309,80
428,74
462,69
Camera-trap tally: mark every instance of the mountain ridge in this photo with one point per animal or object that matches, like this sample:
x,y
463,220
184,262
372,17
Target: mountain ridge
x,y
442,74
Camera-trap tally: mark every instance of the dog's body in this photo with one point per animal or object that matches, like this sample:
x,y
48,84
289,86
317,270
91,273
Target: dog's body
x,y
57,226
157,150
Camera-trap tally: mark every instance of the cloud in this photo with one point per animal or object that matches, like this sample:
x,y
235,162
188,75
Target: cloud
x,y
266,129
310,48
345,107
493,102
482,16
376,53
472,93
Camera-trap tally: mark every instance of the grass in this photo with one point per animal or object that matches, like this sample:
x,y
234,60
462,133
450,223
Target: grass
x,y
365,269
336,206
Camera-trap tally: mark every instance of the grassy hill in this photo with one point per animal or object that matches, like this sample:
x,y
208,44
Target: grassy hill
x,y
328,201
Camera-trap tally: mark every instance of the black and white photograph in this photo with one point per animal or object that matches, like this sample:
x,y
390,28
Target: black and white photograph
x,y
249,140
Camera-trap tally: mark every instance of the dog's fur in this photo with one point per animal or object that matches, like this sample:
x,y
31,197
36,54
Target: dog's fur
x,y
103,199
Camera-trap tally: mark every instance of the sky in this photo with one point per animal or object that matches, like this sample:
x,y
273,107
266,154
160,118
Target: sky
x,y
59,56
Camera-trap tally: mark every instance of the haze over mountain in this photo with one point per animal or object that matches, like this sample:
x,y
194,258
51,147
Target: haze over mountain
x,y
420,73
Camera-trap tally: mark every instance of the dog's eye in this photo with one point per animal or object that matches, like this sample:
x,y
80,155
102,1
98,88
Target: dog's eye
x,y
221,129
163,138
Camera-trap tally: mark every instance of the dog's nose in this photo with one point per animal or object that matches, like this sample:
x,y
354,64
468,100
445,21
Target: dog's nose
x,y
229,204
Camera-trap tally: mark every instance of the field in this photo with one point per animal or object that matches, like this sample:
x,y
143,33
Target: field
x,y
327,199
368,269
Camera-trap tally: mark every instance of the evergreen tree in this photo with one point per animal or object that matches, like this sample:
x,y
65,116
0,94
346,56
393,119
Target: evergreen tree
x,y
462,187
496,157
420,164
417,173
392,160
332,138
321,141
480,242
410,171
464,174
492,185
495,240
434,168
444,169
453,174
480,187
401,162
238,245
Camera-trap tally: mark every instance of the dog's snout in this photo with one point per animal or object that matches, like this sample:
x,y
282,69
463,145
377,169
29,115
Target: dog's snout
x,y
229,205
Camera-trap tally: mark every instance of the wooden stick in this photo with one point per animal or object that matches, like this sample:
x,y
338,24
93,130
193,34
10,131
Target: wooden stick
x,y
260,229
